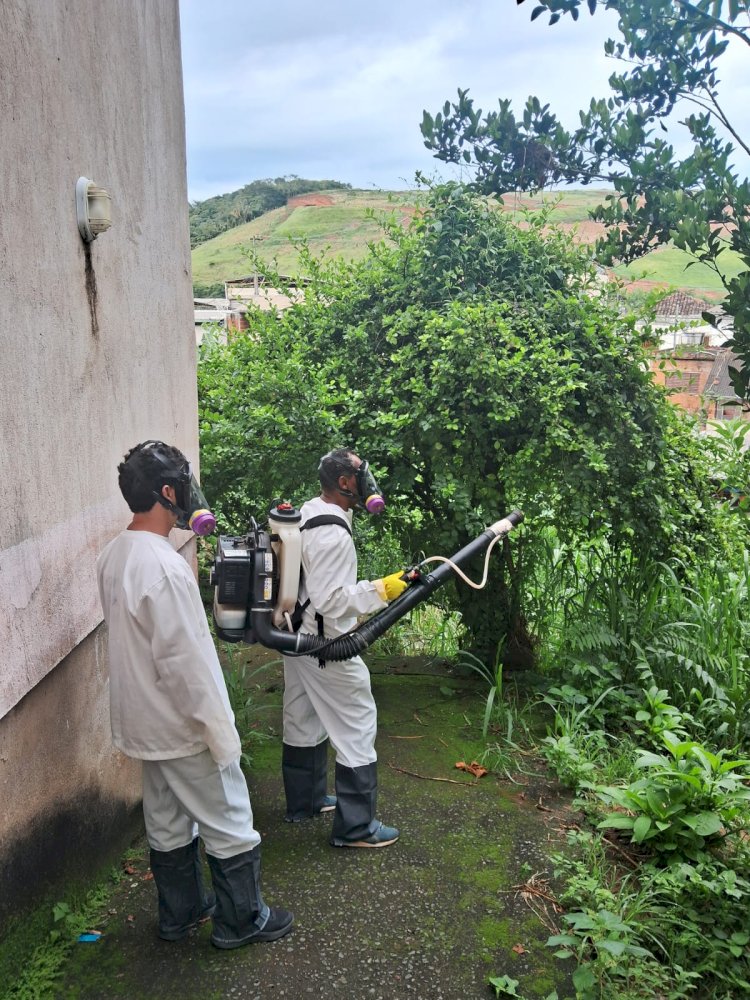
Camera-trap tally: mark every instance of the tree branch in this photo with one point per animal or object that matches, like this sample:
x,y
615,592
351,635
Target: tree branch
x,y
727,124
722,25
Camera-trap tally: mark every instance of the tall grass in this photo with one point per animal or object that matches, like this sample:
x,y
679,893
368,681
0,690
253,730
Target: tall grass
x,y
649,684
242,685
680,627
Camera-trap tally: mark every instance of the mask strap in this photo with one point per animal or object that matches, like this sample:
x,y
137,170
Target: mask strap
x,y
166,503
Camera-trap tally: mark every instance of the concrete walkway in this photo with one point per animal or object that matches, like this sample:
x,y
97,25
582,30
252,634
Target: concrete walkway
x,y
433,916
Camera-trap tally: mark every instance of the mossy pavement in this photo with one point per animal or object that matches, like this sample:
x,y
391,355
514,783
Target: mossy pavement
x,y
433,916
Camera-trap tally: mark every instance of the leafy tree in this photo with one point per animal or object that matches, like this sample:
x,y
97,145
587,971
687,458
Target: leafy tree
x,y
215,290
263,419
673,51
477,365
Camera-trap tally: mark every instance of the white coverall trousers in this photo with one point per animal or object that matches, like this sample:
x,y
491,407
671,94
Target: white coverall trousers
x,y
334,701
191,796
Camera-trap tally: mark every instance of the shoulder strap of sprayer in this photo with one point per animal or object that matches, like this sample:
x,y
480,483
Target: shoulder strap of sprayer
x,y
320,519
317,522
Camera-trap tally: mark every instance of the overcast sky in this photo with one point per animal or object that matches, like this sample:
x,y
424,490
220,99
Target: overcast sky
x,y
336,89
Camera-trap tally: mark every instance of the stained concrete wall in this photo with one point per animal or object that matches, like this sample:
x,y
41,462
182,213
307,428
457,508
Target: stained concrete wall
x,y
97,352
69,803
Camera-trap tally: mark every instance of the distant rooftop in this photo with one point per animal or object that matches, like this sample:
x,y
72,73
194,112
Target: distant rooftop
x,y
718,383
250,280
684,352
681,305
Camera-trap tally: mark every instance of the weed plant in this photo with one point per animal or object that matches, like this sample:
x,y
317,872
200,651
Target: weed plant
x,y
37,978
648,684
241,681
430,630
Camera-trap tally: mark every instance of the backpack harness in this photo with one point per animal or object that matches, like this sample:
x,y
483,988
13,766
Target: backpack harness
x,y
317,522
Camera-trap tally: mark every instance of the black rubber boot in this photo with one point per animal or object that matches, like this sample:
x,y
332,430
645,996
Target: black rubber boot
x,y
241,916
356,800
305,773
183,902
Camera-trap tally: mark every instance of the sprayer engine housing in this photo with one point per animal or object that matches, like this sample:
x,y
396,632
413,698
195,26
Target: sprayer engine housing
x,y
232,569
243,576
257,572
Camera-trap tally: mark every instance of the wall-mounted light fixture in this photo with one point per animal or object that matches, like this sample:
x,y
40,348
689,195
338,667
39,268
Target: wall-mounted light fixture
x,y
93,209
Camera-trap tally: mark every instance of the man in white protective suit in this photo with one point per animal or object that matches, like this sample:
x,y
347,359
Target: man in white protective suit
x,y
332,699
170,709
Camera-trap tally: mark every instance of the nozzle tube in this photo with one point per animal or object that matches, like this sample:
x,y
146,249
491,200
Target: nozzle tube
x,y
344,647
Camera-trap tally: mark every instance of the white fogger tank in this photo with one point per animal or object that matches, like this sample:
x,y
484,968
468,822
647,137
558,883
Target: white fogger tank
x,y
286,542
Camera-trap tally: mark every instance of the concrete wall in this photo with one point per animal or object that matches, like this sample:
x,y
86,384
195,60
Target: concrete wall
x,y
685,378
97,352
69,802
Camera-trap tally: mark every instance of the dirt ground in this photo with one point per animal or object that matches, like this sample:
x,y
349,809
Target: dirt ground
x,y
459,898
315,200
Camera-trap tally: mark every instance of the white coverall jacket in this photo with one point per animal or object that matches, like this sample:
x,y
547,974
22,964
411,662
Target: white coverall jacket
x,y
168,699
334,701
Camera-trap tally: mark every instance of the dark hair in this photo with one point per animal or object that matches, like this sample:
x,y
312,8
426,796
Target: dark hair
x,y
336,463
145,469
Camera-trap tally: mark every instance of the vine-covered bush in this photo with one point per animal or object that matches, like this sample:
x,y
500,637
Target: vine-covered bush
x,y
480,366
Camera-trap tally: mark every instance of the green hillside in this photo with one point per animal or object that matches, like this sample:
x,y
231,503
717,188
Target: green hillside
x,y
336,222
213,216
332,222
671,266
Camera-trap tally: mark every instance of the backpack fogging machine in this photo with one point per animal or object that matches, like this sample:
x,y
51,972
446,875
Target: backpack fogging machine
x,y
256,582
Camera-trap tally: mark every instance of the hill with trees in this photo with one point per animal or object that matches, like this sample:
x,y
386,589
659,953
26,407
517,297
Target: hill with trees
x,y
336,223
213,216
340,222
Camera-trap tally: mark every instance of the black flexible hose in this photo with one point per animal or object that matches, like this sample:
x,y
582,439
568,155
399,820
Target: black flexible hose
x,y
344,647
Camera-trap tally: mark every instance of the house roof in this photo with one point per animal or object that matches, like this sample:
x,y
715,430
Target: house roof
x,y
718,383
249,280
684,353
680,304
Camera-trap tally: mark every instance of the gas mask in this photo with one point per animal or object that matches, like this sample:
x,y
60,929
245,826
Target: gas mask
x,y
191,506
368,493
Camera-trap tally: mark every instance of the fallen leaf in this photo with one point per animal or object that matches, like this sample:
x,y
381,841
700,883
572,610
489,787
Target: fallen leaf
x,y
129,870
476,769
518,949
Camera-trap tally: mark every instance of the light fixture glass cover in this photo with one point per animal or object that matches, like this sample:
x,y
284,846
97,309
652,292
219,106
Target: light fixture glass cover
x,y
93,209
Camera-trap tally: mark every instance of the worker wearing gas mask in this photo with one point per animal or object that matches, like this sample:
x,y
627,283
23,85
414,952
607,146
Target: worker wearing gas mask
x,y
170,708
333,699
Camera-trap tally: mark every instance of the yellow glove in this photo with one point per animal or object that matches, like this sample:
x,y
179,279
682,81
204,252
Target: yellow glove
x,y
390,586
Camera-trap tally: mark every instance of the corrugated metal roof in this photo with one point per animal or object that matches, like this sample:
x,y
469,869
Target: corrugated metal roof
x,y
718,383
685,353
249,281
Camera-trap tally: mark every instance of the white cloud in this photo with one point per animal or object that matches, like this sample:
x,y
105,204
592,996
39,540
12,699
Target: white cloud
x,y
336,89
